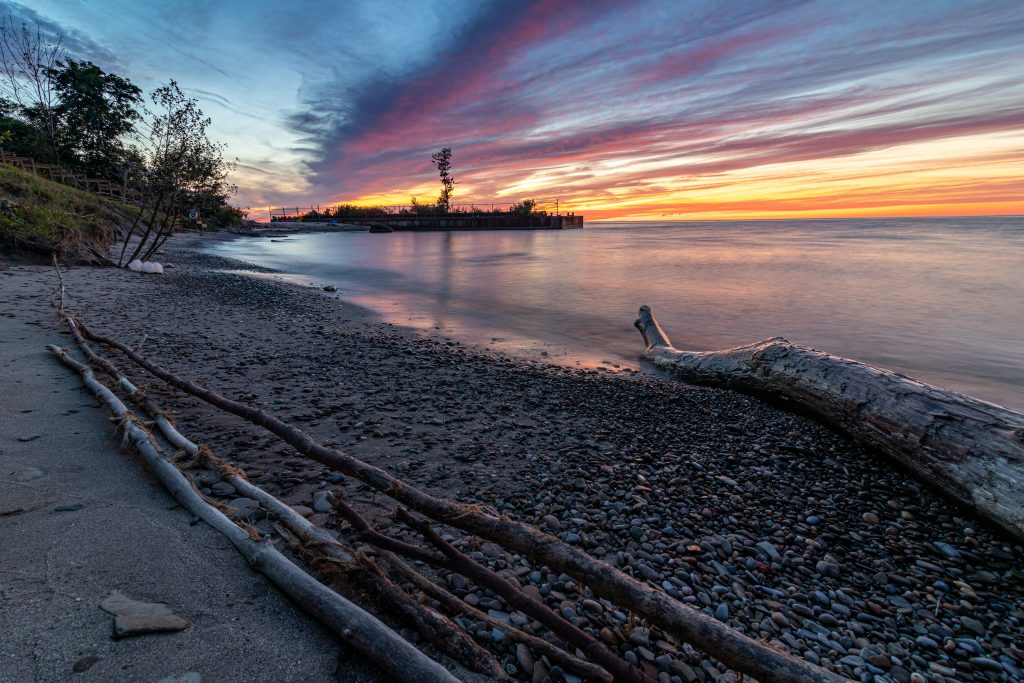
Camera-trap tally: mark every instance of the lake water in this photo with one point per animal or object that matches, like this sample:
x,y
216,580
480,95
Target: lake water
x,y
939,299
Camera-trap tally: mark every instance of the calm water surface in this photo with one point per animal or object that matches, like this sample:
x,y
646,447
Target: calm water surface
x,y
941,299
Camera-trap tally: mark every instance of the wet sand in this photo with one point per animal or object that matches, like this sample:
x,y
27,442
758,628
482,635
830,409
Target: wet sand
x,y
767,520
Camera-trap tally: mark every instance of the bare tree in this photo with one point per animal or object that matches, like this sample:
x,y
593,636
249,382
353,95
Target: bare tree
x,y
28,59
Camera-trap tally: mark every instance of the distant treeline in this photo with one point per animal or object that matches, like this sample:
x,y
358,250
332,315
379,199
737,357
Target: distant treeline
x,y
342,212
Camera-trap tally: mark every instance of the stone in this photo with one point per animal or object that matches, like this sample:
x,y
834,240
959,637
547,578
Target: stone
x,y
84,663
870,518
525,659
222,488
30,437
322,501
769,550
134,618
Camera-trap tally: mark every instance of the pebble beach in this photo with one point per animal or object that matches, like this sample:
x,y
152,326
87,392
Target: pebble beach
x,y
766,520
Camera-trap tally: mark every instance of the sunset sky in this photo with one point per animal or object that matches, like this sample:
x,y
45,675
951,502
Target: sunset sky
x,y
660,110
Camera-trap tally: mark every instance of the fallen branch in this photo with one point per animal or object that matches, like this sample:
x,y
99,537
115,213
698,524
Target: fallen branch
x,y
968,449
435,627
456,606
457,562
729,646
353,625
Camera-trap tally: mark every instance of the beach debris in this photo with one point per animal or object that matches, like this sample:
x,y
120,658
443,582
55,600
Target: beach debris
x,y
138,266
351,623
970,450
730,646
330,288
134,618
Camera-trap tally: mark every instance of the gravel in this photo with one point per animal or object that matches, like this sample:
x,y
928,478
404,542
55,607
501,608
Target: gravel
x,y
766,520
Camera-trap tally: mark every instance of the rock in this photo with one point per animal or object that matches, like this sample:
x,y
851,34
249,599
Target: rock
x,y
135,266
303,510
525,659
647,572
330,288
769,550
69,507
870,518
973,625
322,501
223,489
30,437
947,550
134,618
551,522
84,663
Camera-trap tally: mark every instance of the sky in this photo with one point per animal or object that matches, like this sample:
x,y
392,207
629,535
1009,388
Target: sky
x,y
643,110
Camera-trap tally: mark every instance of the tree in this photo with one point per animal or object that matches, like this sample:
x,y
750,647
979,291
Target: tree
x,y
27,60
182,170
443,161
96,110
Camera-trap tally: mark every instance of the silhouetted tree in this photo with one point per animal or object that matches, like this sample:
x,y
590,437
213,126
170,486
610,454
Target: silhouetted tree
x,y
443,161
95,112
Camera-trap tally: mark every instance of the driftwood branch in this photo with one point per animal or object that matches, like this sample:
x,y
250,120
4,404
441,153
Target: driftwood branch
x,y
731,647
436,628
439,630
970,450
351,623
456,561
456,606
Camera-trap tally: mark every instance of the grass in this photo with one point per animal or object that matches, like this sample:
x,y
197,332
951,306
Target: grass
x,y
53,218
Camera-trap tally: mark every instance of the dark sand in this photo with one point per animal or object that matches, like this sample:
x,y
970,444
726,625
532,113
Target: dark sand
x,y
770,521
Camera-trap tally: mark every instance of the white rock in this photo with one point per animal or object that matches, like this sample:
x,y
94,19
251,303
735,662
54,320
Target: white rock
x,y
152,267
135,265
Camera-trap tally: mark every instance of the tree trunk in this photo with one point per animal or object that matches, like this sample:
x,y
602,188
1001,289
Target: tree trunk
x,y
968,449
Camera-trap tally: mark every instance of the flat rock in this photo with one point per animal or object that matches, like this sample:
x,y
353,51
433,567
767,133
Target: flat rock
x,y
134,618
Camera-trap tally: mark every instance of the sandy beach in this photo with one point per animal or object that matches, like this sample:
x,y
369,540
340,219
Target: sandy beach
x,y
767,520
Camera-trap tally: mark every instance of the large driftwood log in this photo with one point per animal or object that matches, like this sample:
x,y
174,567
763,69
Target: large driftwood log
x,y
731,647
971,450
347,620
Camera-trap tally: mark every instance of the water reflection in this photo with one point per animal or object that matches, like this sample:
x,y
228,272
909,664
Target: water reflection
x,y
939,299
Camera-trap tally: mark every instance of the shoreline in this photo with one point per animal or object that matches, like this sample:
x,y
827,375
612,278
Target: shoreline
x,y
762,518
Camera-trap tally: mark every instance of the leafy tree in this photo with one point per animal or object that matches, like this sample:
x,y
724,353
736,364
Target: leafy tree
x,y
96,110
443,161
523,208
183,169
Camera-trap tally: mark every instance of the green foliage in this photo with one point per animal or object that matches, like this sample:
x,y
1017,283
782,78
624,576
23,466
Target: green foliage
x,y
95,111
50,217
523,208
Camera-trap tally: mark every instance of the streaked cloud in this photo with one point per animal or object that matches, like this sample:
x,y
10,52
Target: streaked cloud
x,y
651,108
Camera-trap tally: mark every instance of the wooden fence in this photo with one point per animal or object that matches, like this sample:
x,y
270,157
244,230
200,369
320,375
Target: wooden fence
x,y
59,174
